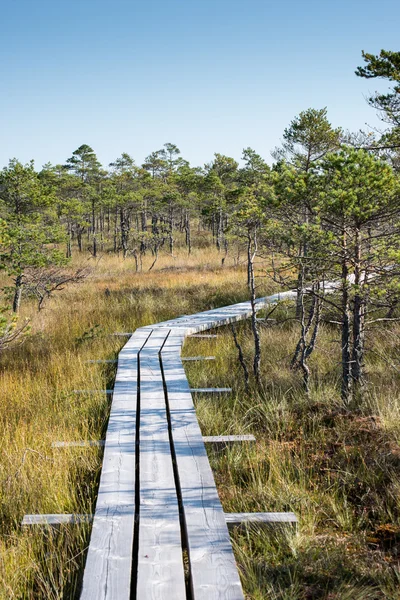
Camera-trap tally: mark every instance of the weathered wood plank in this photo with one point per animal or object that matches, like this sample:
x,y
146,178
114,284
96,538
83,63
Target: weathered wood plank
x,y
107,574
227,439
213,571
160,567
79,444
54,520
205,335
121,334
111,361
108,392
189,358
260,518
210,390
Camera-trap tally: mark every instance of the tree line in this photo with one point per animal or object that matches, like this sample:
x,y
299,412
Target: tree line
x,y
328,210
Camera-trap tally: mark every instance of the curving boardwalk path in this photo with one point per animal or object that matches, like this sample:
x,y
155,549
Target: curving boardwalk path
x,y
159,530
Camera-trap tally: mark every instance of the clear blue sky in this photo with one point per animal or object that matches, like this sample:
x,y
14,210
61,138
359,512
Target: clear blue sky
x,y
207,75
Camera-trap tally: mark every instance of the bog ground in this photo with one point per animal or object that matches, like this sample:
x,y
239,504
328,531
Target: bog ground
x,y
336,469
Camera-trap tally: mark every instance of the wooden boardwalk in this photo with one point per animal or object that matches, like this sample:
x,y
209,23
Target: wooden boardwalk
x,y
159,530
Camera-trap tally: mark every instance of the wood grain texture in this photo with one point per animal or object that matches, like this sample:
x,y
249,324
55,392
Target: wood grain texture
x,y
263,518
102,362
227,439
189,358
107,574
210,390
160,573
213,571
79,444
108,392
55,520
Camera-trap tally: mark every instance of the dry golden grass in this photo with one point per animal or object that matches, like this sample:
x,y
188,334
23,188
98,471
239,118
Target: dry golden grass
x,y
39,407
338,470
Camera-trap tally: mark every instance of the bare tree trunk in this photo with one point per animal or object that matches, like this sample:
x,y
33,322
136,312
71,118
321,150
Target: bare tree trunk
x,y
79,238
300,290
346,333
124,233
171,230
251,253
241,358
17,294
69,241
116,230
94,230
219,229
188,233
357,359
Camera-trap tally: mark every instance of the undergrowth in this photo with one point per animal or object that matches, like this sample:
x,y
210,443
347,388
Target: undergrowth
x,y
337,468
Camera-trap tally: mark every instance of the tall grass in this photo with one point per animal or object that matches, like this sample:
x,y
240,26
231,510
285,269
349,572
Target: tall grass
x,y
39,406
337,469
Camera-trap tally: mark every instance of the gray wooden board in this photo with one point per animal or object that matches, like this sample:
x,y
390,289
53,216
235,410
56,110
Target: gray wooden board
x,y
108,392
199,335
55,519
79,444
210,390
266,518
122,334
108,567
107,574
189,358
213,570
160,572
227,439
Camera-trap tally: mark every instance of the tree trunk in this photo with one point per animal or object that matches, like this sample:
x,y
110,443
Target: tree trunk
x,y
171,230
94,230
357,358
18,293
346,333
124,233
188,234
69,241
251,252
116,230
79,238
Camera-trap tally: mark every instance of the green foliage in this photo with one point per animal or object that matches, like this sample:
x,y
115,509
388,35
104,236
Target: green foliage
x,y
308,137
385,65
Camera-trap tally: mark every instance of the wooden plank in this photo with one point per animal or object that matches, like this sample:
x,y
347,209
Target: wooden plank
x,y
160,569
201,335
227,439
260,518
121,334
80,444
213,571
210,390
189,358
107,574
112,361
108,392
108,569
54,520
